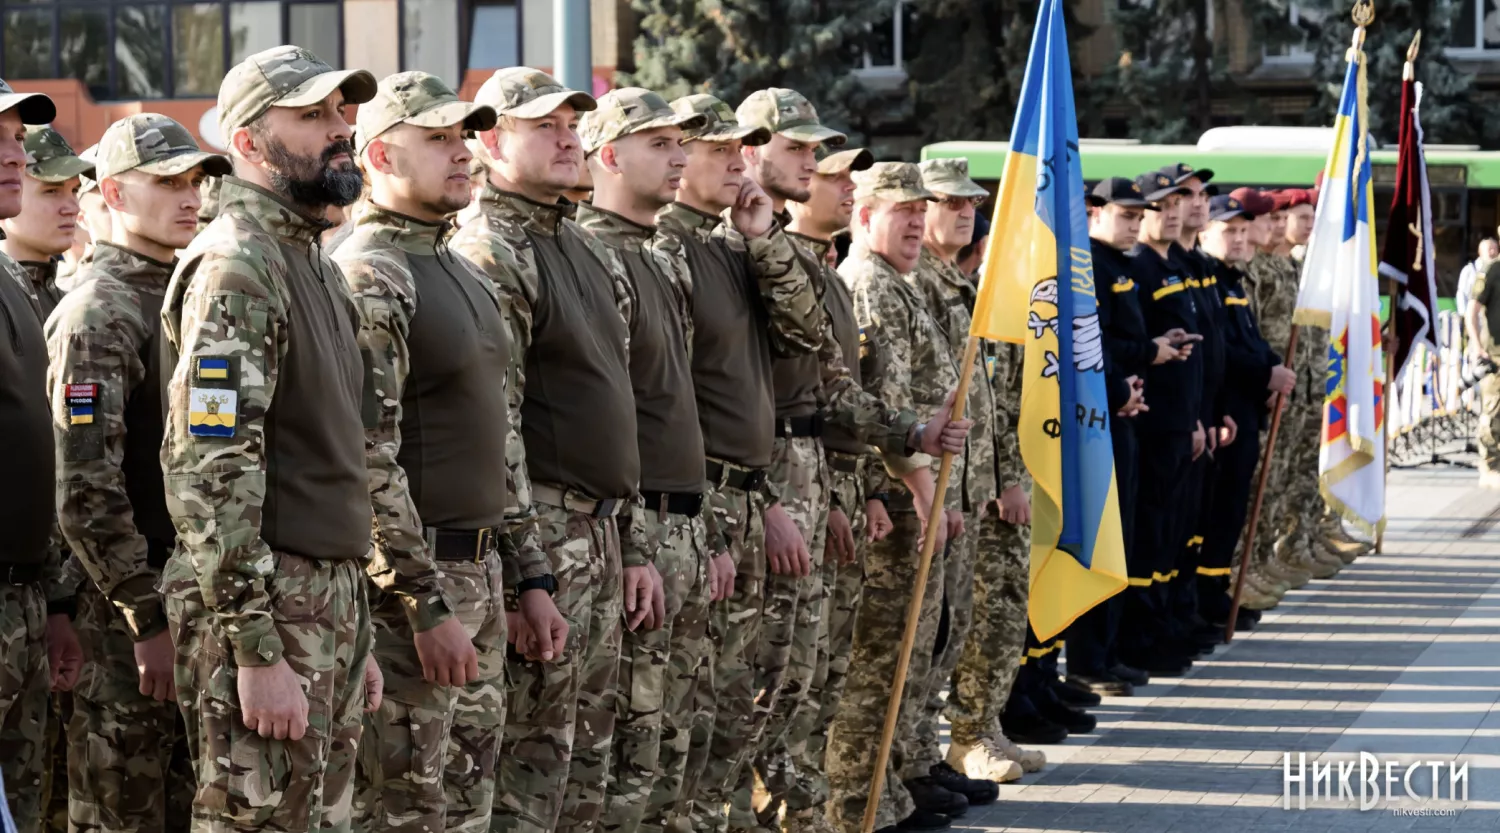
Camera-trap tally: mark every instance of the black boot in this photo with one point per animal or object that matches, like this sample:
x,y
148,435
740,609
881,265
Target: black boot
x,y
976,790
1129,674
1076,721
1076,696
1101,684
928,794
1023,724
922,820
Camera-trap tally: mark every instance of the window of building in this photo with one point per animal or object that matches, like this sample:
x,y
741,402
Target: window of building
x,y
1297,45
892,42
430,38
178,48
1476,27
508,33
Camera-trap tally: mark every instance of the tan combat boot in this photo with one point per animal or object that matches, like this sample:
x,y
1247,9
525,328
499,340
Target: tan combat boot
x,y
1254,599
1294,577
991,760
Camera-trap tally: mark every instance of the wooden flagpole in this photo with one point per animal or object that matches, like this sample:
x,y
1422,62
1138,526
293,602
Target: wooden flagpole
x,y
914,608
1247,551
1390,396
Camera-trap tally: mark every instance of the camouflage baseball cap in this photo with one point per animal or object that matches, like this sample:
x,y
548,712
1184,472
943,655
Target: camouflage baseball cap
x,y
719,122
52,158
789,113
854,159
34,108
893,181
155,144
284,76
421,99
630,110
526,93
950,178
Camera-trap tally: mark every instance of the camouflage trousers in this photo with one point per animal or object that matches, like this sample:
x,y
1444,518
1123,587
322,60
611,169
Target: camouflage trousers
x,y
55,768
428,755
25,683
659,673
247,782
561,718
128,764
996,644
794,639
958,603
1489,423
725,715
879,626
807,787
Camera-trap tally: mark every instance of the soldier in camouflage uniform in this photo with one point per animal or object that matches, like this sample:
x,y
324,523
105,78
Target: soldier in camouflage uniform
x,y
43,231
435,343
751,300
905,358
858,488
130,768
633,144
265,467
988,569
557,282
93,223
36,602
809,390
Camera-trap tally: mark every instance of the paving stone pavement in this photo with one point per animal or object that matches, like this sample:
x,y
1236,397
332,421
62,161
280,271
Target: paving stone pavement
x,y
1398,656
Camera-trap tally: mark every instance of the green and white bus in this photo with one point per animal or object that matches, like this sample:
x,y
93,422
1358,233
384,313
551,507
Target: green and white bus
x,y
1465,182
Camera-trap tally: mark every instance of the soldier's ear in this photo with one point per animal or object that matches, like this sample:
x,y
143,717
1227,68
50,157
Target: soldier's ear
x,y
109,189
242,142
377,157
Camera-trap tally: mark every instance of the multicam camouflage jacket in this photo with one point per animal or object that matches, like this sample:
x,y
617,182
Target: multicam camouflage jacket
x,y
904,355
105,378
859,409
387,295
1272,288
994,458
496,241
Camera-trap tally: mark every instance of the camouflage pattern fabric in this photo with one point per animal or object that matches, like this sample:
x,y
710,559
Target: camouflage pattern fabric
x,y
284,76
659,672
879,626
1489,423
129,767
720,747
247,782
808,787
626,110
1272,289
428,756
794,637
789,113
992,654
1304,427
55,774
421,99
41,284
559,726
52,158
527,93
24,685
154,144
128,764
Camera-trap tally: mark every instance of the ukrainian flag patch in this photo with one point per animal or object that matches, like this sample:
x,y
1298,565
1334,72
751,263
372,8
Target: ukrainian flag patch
x,y
213,368
211,411
989,366
81,400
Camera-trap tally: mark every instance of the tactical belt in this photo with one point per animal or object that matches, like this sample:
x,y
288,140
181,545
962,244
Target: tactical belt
x,y
673,503
21,574
574,502
728,475
844,461
460,544
157,553
802,426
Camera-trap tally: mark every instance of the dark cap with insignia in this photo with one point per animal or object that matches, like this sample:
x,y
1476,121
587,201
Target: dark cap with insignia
x,y
1182,172
1119,191
1157,186
1224,208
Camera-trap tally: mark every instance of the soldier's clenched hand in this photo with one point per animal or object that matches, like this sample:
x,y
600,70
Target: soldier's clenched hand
x,y
447,654
1282,379
785,549
942,433
548,628
272,701
374,685
638,587
64,657
877,520
723,574
154,661
1014,506
841,535
752,214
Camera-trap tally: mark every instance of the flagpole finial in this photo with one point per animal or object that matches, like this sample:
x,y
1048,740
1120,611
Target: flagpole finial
x,y
1416,44
1364,12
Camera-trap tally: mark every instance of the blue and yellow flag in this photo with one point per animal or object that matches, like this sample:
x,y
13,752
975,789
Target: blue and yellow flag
x,y
1041,226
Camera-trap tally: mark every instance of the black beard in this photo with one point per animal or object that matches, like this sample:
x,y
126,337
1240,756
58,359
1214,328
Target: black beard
x,y
313,181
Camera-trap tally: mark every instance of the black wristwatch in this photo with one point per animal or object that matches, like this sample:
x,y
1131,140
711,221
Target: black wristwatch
x,y
883,497
547,582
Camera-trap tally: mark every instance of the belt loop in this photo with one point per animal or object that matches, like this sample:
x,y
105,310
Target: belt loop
x,y
661,509
429,535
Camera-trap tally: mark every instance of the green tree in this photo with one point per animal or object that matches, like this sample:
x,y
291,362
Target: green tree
x,y
731,48
1450,114
970,63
